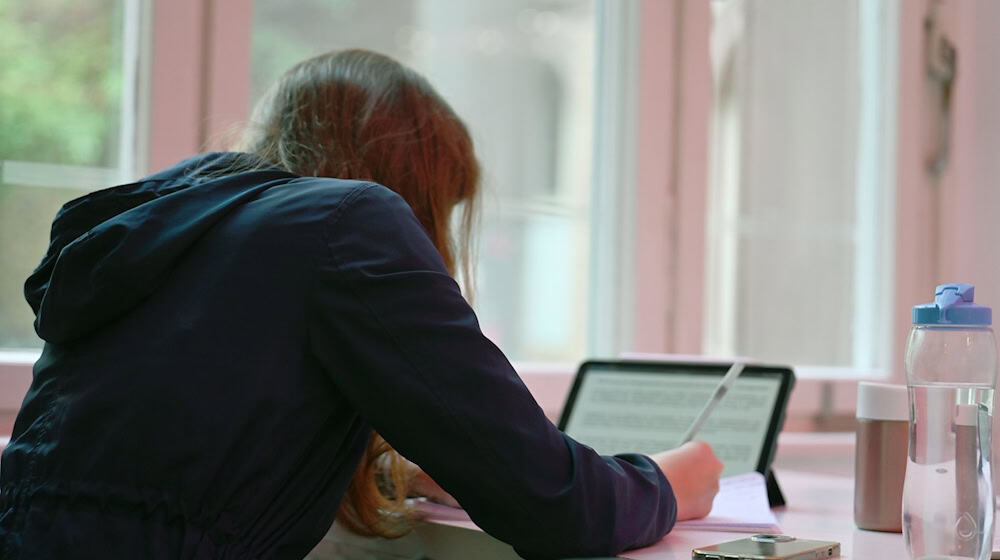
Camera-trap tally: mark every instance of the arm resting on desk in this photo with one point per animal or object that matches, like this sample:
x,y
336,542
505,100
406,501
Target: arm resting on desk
x,y
442,394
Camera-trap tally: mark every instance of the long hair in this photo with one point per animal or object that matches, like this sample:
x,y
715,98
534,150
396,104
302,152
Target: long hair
x,y
355,114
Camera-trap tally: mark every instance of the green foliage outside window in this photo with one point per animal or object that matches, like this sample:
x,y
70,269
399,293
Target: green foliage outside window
x,y
60,95
60,81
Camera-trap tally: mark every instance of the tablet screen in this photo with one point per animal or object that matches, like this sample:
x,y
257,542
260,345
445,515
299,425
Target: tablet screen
x,y
647,408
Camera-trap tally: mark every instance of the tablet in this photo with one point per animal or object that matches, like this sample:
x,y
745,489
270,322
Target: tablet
x,y
646,407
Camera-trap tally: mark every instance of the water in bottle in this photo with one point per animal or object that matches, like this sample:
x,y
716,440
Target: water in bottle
x,y
951,361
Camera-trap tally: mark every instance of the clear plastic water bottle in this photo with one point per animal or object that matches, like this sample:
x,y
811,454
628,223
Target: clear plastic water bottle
x,y
951,370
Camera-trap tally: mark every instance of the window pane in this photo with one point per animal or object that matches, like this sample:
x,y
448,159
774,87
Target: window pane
x,y
60,107
520,73
60,81
799,261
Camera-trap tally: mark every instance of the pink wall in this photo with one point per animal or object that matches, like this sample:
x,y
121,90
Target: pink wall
x,y
174,124
227,97
656,197
200,76
674,101
969,193
948,227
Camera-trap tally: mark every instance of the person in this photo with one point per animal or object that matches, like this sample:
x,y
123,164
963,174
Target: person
x,y
244,346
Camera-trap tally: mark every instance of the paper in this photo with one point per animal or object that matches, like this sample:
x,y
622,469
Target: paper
x,y
740,506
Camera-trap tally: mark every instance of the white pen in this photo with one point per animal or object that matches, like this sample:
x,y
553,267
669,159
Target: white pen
x,y
720,391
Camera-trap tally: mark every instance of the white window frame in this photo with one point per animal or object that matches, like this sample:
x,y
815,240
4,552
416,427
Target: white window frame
x,y
614,174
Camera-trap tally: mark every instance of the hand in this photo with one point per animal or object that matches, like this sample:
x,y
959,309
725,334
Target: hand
x,y
693,471
421,484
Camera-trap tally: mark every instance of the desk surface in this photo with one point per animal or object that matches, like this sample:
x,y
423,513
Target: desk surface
x,y
815,472
819,507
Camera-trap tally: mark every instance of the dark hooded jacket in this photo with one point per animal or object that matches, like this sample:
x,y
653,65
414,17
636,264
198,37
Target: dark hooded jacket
x,y
218,346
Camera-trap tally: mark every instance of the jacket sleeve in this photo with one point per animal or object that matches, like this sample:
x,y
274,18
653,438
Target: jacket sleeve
x,y
398,338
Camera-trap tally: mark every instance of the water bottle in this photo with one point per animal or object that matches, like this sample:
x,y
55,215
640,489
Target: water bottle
x,y
951,368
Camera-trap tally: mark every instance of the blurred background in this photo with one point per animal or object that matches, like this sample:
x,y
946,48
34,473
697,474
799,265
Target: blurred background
x,y
776,179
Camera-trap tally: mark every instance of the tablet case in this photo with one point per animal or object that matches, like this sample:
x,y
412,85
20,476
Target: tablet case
x,y
774,494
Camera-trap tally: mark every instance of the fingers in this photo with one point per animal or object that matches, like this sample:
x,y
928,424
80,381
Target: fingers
x,y
693,471
703,453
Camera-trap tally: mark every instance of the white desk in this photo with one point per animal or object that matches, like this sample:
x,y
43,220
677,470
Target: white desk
x,y
815,471
820,506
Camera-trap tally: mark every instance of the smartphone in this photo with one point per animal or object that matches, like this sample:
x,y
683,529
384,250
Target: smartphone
x,y
768,547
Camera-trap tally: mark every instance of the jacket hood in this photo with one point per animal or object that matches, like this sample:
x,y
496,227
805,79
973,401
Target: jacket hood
x,y
109,249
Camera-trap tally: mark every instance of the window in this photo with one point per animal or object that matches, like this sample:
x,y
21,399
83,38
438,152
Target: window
x,y
596,218
67,126
86,85
801,224
521,74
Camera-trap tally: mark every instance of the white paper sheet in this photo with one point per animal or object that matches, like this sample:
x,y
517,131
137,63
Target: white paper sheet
x,y
740,506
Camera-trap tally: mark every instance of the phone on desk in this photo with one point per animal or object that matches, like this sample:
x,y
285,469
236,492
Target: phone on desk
x,y
768,547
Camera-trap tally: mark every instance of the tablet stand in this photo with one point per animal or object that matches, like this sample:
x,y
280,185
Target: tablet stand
x,y
774,495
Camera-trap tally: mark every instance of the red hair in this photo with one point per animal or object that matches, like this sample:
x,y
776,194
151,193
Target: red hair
x,y
356,114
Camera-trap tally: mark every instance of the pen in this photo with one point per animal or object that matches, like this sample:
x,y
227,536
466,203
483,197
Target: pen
x,y
720,391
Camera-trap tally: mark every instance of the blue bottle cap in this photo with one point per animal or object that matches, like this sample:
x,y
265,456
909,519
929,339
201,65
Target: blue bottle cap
x,y
953,305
